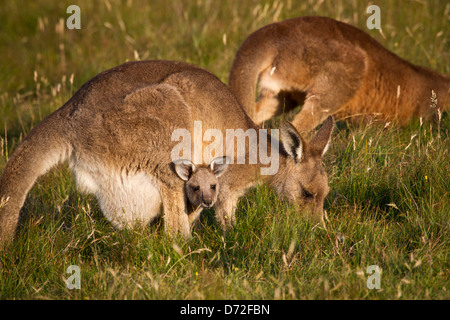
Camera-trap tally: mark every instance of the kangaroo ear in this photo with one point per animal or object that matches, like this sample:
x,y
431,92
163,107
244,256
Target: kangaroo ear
x,y
321,141
219,165
184,168
292,141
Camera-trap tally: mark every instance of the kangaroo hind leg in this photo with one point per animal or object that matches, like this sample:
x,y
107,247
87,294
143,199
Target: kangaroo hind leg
x,y
269,102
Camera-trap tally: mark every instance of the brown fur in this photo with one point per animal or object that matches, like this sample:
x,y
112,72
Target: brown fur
x,y
116,133
333,68
202,184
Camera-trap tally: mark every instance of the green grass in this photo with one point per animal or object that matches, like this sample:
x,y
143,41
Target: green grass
x,y
389,200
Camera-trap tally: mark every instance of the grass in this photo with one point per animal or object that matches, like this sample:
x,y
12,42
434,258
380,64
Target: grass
x,y
389,201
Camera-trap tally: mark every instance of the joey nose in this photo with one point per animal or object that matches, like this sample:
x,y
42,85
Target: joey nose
x,y
207,203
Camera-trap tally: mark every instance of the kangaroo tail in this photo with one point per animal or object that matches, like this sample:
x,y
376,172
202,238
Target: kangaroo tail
x,y
44,147
254,56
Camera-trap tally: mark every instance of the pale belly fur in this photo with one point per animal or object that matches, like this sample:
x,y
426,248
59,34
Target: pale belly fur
x,y
126,200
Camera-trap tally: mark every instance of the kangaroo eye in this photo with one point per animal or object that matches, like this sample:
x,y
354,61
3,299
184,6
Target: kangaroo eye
x,y
213,186
196,188
307,194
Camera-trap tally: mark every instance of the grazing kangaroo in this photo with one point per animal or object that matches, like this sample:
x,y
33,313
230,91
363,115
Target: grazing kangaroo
x,y
332,68
117,134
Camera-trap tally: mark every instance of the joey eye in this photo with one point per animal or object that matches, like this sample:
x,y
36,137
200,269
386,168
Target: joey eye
x,y
308,195
213,186
196,188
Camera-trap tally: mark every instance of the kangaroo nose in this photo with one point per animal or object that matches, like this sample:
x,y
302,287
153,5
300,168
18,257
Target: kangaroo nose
x,y
207,203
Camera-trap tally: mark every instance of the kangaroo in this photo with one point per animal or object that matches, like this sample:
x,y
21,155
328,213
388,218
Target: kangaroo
x,y
117,134
202,185
332,68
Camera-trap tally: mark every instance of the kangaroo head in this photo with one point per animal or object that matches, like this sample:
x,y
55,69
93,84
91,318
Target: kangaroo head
x,y
202,185
303,181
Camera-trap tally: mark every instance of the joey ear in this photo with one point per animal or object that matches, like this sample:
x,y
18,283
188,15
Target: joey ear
x,y
219,165
292,141
184,168
321,141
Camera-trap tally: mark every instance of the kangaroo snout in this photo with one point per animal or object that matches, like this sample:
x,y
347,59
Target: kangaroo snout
x,y
207,202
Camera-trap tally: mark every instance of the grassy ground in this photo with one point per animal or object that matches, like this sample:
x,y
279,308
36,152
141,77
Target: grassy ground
x,y
389,201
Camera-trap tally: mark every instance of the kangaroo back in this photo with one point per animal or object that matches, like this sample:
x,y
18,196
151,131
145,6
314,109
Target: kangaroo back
x,y
252,58
43,148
